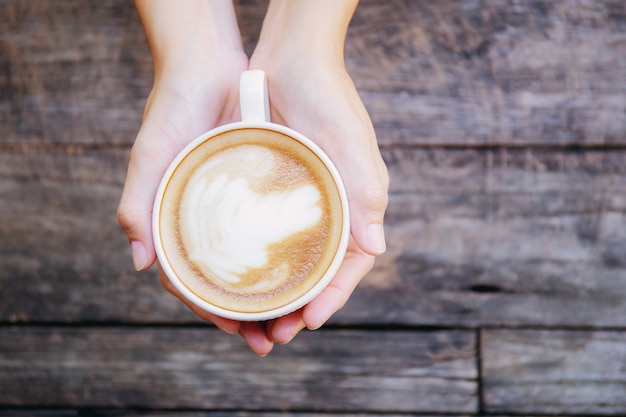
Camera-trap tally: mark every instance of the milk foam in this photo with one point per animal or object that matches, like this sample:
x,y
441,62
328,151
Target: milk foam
x,y
228,226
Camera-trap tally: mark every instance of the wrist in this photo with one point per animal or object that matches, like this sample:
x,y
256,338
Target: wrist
x,y
307,29
185,36
200,67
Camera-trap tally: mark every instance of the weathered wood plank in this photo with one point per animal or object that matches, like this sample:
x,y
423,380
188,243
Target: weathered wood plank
x,y
70,73
555,372
144,413
492,72
63,256
476,237
202,368
454,72
503,238
78,75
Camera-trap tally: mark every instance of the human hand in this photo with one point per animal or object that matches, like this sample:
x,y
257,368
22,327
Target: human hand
x,y
311,92
196,88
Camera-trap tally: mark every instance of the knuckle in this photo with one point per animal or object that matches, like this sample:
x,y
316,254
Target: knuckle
x,y
375,197
124,216
129,217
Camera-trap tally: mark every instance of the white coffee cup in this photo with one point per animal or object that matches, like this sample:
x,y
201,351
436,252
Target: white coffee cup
x,y
255,115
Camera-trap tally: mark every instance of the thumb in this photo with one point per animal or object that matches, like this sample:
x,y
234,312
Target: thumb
x,y
368,202
366,179
134,213
148,162
170,122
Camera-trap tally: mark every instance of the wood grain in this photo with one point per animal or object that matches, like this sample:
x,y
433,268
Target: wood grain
x,y
18,412
445,73
503,124
64,258
177,413
492,72
70,73
201,368
554,372
514,237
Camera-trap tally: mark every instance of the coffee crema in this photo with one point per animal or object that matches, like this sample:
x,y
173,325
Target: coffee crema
x,y
250,220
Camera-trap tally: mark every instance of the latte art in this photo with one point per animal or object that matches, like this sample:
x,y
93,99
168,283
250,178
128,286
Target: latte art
x,y
250,220
228,227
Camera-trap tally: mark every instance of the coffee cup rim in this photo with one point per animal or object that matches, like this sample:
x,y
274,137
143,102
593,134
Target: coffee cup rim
x,y
298,302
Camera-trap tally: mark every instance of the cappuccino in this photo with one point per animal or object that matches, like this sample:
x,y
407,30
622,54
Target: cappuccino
x,y
250,220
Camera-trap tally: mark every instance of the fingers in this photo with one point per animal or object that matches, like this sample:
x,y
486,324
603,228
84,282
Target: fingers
x,y
346,135
367,182
134,213
354,267
229,326
284,329
260,337
168,125
253,333
342,127
148,161
256,337
368,202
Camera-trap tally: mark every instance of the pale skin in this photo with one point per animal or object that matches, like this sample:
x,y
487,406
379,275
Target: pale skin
x,y
198,58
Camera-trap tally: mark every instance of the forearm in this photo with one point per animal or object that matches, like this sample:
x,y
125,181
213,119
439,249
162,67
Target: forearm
x,y
192,31
312,26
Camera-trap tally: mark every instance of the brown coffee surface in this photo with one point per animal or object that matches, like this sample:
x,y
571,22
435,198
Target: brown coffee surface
x,y
250,220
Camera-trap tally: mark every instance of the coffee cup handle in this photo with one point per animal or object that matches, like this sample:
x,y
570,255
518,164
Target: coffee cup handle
x,y
253,98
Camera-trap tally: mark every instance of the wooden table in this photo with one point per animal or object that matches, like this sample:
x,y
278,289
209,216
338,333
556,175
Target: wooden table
x,y
503,291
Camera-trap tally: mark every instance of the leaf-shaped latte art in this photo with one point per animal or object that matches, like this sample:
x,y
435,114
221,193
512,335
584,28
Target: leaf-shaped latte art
x,y
228,226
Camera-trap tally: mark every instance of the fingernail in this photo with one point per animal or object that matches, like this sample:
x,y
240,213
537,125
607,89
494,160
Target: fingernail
x,y
376,237
140,257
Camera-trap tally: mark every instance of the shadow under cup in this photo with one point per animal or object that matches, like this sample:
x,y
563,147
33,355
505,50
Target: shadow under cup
x,y
251,222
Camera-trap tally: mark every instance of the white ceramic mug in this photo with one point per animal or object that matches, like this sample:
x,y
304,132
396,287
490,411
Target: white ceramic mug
x,y
255,114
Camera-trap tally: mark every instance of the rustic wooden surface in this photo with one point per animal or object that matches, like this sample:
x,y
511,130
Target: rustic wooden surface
x,y
560,371
338,371
503,291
